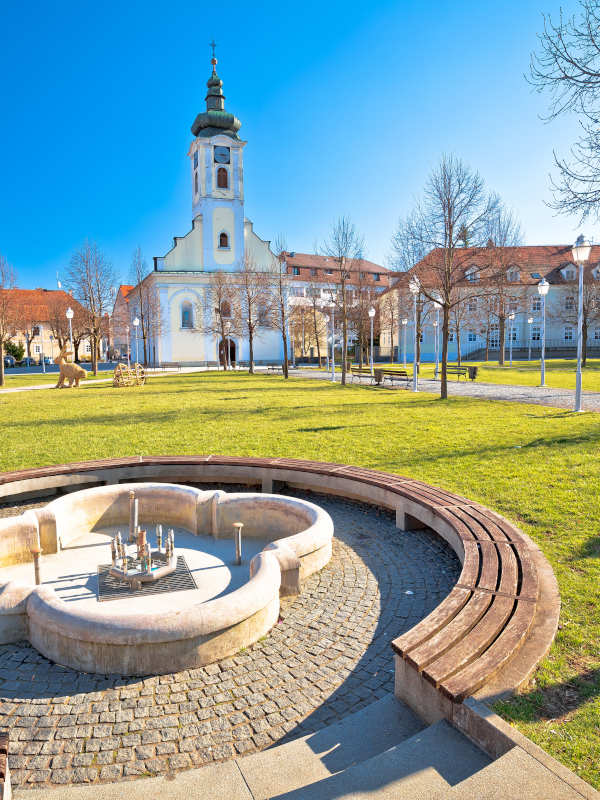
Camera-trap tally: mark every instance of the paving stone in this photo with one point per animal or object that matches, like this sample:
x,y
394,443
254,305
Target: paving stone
x,y
329,656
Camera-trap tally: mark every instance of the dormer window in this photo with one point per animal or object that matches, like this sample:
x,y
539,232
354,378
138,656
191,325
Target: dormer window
x,y
296,270
222,178
376,276
569,274
472,275
513,276
223,241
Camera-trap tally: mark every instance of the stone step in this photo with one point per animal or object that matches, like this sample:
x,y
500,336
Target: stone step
x,y
419,768
514,776
311,758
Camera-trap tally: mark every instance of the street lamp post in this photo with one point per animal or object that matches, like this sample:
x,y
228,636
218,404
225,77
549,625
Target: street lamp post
x,y
404,324
333,344
136,322
41,330
371,317
414,289
529,322
581,253
128,358
543,287
511,318
69,314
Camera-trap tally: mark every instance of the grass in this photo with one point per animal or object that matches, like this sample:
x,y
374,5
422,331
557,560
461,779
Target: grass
x,y
536,465
35,379
560,373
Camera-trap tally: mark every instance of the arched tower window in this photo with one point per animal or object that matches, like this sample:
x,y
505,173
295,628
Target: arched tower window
x,y
196,182
223,241
222,178
187,315
226,308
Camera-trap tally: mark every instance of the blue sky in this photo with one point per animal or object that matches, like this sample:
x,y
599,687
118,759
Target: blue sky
x,y
346,107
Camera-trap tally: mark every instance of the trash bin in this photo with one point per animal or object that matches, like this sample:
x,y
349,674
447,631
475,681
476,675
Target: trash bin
x,y
472,372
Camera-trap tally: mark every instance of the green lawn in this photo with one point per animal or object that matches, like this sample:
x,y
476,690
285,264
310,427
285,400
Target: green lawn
x,y
538,466
15,381
560,373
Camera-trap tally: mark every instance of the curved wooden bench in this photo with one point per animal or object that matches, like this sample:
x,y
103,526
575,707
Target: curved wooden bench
x,y
485,637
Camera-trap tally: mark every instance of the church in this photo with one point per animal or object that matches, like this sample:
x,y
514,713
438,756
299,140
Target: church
x,y
222,239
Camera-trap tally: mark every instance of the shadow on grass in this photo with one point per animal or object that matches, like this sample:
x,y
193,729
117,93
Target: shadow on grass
x,y
589,549
554,701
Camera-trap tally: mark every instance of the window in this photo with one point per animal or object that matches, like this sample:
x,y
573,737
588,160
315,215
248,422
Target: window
x,y
472,305
226,308
313,272
312,292
297,291
196,159
514,334
196,182
472,275
187,316
513,276
222,178
263,315
536,333
536,303
38,349
88,347
329,272
512,306
569,303
450,336
296,270
35,331
597,334
472,336
536,276
569,274
223,241
568,334
376,276
494,336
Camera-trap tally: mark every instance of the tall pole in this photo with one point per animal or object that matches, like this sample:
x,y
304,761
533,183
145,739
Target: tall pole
x,y
543,364
399,327
510,344
578,405
415,375
404,344
529,322
333,344
42,347
128,358
71,335
437,346
372,345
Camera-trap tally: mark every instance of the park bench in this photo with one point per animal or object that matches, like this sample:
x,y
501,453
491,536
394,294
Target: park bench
x,y
454,369
361,372
392,375
171,365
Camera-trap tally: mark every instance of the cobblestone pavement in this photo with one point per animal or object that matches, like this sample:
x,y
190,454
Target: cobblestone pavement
x,y
328,656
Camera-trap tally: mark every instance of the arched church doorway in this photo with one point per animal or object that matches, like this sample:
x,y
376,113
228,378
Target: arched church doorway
x,y
223,352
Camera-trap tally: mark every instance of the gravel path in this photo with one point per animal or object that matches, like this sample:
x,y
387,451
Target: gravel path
x,y
329,655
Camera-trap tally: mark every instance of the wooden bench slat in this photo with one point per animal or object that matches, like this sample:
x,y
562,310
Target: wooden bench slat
x,y
494,531
440,616
490,566
468,680
451,633
471,564
473,644
509,575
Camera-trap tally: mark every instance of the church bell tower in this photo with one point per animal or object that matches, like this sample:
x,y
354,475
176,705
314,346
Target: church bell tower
x,y
217,169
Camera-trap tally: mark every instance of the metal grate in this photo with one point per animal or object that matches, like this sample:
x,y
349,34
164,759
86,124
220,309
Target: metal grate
x,y
110,588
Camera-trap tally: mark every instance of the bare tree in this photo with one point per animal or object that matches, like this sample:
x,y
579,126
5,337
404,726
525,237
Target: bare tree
x,y
145,300
319,328
7,308
57,317
220,313
254,306
454,199
345,247
567,66
278,291
507,297
90,275
567,311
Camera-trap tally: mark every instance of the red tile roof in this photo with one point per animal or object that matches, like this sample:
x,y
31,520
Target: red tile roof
x,y
308,263
32,305
545,261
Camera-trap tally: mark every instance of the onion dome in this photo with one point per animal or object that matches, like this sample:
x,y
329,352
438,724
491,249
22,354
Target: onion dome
x,y
215,120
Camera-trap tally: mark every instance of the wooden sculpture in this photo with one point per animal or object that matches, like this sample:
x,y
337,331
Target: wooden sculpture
x,y
72,373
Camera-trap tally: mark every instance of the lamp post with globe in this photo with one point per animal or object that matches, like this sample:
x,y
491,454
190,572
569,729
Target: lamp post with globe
x,y
511,318
543,287
581,253
415,287
371,317
404,324
69,315
436,329
529,323
136,322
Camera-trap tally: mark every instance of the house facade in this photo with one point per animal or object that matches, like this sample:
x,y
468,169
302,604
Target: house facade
x,y
492,289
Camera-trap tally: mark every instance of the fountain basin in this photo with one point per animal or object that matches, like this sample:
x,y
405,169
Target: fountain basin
x,y
144,641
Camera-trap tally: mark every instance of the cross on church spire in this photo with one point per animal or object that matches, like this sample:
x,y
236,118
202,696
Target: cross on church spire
x,y
213,60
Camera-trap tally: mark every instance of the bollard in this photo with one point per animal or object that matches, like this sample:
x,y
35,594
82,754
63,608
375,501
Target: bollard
x,y
37,552
131,515
238,542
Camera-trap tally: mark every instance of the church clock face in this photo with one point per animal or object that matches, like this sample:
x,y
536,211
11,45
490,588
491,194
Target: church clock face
x,y
222,155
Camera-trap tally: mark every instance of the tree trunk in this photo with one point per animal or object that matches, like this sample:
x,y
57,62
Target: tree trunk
x,y
418,344
501,340
458,353
344,343
487,345
75,352
94,355
251,349
285,351
445,330
1,363
584,331
145,350
317,334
